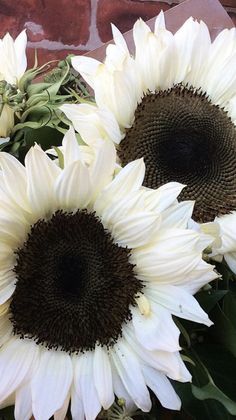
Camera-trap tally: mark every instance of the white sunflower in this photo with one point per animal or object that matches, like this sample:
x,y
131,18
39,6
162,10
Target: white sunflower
x,y
13,65
174,103
92,269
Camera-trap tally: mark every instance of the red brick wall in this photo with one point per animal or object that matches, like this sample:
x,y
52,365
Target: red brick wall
x,y
56,27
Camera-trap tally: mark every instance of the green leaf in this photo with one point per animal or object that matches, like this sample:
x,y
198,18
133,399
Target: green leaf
x,y
211,391
60,157
200,409
7,413
45,136
229,307
220,363
209,298
223,330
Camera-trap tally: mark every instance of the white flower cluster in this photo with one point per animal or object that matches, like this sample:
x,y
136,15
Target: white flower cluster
x,y
95,263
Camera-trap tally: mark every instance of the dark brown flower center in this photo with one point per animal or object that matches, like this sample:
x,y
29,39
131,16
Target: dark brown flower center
x,y
74,284
183,137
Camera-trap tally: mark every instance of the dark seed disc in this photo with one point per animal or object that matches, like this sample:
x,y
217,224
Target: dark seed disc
x,y
183,137
74,284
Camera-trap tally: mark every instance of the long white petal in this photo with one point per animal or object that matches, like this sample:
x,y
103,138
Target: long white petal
x,y
128,368
73,187
162,388
71,149
179,303
103,377
51,383
157,330
135,230
20,49
41,175
87,67
17,359
23,402
85,386
103,167
14,175
160,199
61,413
167,362
129,179
120,390
77,410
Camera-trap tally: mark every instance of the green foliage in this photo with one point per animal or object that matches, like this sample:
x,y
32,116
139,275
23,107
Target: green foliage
x,y
213,351
36,102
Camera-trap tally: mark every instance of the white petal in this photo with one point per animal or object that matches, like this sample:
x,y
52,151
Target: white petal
x,y
14,176
61,414
41,175
6,291
227,225
200,52
17,358
110,126
169,259
85,387
8,65
135,230
120,391
177,215
167,362
77,410
156,331
103,377
92,122
160,199
73,187
71,149
23,402
185,41
162,388
124,207
129,179
140,34
12,231
118,91
20,49
85,119
178,302
87,67
51,383
103,166
118,38
6,326
160,22
202,274
129,370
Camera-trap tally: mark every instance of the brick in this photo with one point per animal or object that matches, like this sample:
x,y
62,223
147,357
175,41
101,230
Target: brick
x,y
124,13
54,26
233,17
228,3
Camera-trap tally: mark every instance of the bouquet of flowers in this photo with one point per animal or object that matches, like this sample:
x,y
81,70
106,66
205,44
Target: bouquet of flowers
x,y
118,228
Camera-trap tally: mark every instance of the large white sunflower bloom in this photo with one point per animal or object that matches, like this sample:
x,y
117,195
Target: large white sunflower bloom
x,y
13,65
92,269
174,103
